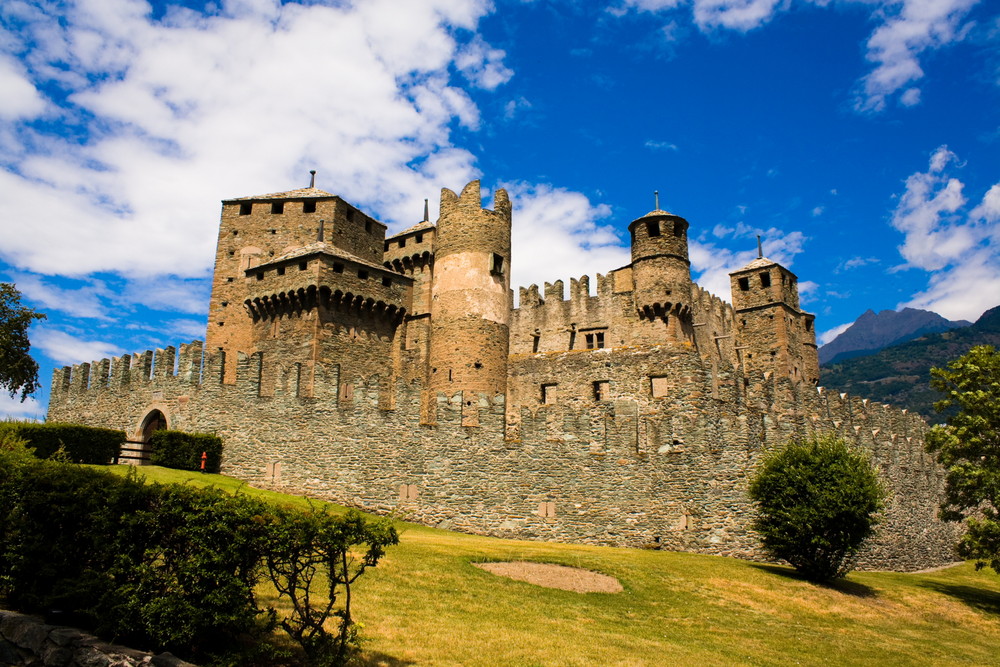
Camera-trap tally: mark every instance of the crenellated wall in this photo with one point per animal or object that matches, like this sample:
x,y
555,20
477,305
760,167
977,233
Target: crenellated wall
x,y
660,458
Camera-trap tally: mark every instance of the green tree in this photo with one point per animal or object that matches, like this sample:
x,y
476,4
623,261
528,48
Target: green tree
x,y
18,371
817,501
968,446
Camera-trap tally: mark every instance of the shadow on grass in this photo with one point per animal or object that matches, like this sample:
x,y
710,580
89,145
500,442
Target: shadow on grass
x,y
376,659
852,588
978,598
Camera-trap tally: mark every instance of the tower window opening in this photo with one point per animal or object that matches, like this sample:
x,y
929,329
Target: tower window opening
x,y
765,279
229,280
386,282
350,215
534,343
232,253
274,231
362,274
308,207
386,246
497,267
595,341
303,265
236,232
809,325
602,390
744,284
419,238
260,275
653,229
281,270
549,393
402,243
368,226
277,207
338,267
246,208
478,365
678,228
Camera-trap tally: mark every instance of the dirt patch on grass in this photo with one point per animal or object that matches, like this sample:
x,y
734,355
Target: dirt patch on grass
x,y
555,576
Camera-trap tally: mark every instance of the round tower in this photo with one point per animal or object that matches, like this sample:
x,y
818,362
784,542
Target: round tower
x,y
661,270
470,294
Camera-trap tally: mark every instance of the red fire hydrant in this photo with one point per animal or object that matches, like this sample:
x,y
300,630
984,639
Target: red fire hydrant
x,y
204,457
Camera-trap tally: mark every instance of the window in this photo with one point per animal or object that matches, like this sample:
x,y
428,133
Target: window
x,y
402,243
350,215
497,267
281,270
303,265
419,238
308,207
229,280
765,279
362,274
595,340
659,386
260,275
387,282
236,233
246,208
368,226
744,284
547,509
277,207
549,393
534,342
338,267
386,246
678,228
602,390
653,229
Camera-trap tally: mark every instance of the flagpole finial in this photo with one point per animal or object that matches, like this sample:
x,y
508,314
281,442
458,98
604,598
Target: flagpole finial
x,y
760,248
656,197
427,213
312,178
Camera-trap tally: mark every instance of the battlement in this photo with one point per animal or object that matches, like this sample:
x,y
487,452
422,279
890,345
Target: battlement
x,y
579,290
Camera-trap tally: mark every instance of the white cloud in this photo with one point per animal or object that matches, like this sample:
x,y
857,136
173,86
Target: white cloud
x,y
64,348
828,335
908,28
197,107
13,408
661,145
20,98
905,31
86,301
962,252
557,234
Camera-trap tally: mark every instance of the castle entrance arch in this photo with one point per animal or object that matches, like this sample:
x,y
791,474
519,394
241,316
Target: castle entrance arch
x,y
137,449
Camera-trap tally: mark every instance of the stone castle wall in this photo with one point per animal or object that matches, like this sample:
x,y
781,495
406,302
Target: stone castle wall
x,y
642,446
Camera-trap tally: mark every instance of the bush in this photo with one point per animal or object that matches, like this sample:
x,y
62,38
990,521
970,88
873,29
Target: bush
x,y
180,450
174,567
82,444
817,502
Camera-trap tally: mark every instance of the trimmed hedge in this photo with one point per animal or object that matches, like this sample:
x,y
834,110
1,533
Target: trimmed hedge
x,y
180,450
83,444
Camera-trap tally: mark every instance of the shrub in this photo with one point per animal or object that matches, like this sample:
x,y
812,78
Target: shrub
x,y
817,502
180,450
174,567
82,444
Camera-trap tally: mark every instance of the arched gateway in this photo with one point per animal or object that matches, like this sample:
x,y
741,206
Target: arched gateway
x,y
137,449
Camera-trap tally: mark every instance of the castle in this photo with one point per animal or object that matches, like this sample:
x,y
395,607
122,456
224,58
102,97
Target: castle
x,y
395,375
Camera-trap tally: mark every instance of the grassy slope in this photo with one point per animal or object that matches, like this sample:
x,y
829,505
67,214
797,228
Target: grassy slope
x,y
424,604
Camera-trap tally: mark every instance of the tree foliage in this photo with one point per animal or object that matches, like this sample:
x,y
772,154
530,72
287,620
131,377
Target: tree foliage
x,y
18,371
817,502
968,446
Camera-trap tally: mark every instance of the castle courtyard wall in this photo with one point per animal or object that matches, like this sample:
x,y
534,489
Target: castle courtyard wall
x,y
662,461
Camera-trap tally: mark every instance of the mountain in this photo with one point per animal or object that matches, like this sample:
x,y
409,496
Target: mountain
x,y
899,375
872,332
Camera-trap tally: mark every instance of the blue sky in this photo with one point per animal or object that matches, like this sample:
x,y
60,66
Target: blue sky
x,y
861,139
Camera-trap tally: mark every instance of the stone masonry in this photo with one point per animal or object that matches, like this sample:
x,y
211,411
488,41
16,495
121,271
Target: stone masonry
x,y
395,375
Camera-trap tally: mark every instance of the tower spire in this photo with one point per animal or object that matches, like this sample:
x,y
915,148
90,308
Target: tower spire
x,y
312,178
656,197
427,215
760,248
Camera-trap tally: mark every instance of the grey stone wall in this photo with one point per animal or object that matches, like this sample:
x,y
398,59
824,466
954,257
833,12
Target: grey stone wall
x,y
29,642
661,459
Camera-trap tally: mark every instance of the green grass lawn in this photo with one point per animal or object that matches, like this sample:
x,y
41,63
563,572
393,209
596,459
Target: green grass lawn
x,y
426,604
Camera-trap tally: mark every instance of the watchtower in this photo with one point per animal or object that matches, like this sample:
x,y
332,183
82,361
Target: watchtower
x,y
661,271
773,334
470,294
